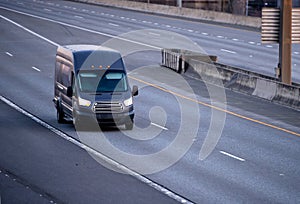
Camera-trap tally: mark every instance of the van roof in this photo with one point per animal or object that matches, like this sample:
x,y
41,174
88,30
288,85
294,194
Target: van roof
x,y
90,56
84,47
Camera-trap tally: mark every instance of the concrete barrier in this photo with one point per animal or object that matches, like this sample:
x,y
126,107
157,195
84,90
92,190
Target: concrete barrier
x,y
241,80
196,14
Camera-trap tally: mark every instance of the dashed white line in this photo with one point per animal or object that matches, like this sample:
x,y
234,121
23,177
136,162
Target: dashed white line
x,y
159,126
204,33
234,39
36,69
232,156
191,31
220,36
78,17
252,43
133,19
9,54
45,9
269,46
168,26
296,53
93,11
156,34
122,17
229,51
112,24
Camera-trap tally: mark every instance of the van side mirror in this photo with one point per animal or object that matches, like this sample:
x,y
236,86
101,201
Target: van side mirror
x,y
135,90
70,91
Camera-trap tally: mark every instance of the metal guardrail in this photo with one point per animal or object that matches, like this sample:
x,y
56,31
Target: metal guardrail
x,y
177,59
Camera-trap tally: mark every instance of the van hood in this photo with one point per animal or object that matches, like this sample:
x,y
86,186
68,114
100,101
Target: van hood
x,y
115,96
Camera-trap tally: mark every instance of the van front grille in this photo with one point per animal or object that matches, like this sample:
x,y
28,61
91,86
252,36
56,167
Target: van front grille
x,y
108,107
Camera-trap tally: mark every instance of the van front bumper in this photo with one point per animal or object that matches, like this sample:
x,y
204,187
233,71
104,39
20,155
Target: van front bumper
x,y
85,114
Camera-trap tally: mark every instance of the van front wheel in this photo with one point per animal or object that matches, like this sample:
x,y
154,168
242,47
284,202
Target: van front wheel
x,y
129,125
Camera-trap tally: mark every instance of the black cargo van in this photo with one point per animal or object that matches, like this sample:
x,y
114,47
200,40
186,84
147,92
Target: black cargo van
x,y
91,83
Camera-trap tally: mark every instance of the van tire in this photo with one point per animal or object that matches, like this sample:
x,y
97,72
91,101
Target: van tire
x,y
60,115
129,125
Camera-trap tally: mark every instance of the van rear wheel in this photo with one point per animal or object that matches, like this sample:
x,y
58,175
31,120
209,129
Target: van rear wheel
x,y
60,116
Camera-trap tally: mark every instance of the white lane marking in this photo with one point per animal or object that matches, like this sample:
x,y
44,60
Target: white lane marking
x,y
36,69
220,36
71,26
133,19
270,46
156,23
85,147
9,54
229,51
235,39
250,55
45,9
156,34
191,31
168,26
78,17
93,11
296,53
159,126
122,17
29,31
204,33
252,43
232,156
112,24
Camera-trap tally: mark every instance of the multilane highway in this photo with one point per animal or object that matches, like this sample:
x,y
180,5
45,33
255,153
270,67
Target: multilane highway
x,y
254,159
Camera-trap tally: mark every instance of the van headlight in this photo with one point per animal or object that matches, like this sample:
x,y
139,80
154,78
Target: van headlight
x,y
83,102
128,102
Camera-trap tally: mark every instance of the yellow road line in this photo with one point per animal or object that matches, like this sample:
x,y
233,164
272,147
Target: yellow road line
x,y
217,108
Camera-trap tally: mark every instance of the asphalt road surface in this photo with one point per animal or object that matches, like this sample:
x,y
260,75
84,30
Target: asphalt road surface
x,y
193,141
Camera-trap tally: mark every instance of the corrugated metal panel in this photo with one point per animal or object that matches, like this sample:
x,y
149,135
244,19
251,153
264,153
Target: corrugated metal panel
x,y
296,25
271,22
270,25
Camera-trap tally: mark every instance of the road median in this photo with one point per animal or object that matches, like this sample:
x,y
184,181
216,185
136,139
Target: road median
x,y
237,79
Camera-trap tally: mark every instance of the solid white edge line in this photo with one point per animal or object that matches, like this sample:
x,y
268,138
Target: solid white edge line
x,y
159,126
9,54
30,31
80,28
36,69
98,154
232,156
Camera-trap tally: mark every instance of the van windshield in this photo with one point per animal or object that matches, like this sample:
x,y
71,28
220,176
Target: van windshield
x,y
100,81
